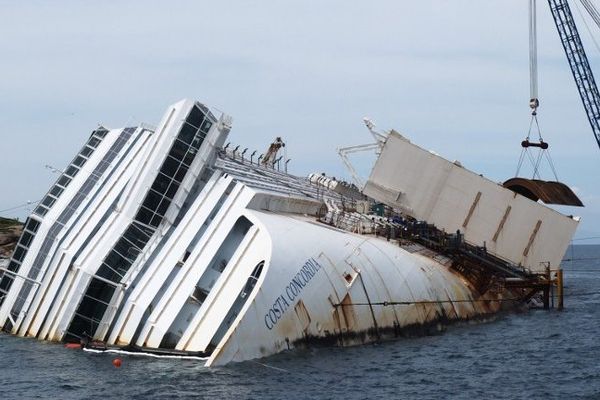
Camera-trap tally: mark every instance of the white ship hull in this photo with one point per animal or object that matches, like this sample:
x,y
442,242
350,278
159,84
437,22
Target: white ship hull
x,y
161,241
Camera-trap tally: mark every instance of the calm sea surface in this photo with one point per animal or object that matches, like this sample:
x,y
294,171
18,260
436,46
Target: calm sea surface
x,y
536,354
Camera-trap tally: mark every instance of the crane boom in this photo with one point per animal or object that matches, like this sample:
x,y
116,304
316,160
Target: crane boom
x,y
271,155
578,61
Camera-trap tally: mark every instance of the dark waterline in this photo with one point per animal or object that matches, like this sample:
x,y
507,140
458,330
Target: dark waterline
x,y
536,354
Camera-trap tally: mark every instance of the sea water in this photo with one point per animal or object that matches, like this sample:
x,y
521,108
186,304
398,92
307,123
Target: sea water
x,y
534,354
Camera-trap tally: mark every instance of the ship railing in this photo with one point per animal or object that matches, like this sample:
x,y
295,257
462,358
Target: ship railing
x,y
455,245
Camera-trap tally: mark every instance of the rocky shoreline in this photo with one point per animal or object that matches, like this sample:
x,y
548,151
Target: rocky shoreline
x,y
10,231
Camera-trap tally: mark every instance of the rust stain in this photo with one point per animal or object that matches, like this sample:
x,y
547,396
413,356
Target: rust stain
x,y
303,316
348,312
472,209
501,224
532,237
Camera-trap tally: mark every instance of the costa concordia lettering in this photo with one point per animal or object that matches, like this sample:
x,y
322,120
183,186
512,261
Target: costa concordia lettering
x,y
170,240
292,290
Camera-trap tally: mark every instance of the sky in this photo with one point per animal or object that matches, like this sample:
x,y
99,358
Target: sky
x,y
451,75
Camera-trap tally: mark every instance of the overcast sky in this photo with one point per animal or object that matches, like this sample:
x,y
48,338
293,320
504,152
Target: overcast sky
x,y
452,75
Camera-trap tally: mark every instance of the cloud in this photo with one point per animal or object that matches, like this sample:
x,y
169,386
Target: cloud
x,y
452,76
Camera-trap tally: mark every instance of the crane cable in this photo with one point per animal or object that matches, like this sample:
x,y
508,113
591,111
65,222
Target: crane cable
x,y
587,27
29,203
534,104
591,9
533,70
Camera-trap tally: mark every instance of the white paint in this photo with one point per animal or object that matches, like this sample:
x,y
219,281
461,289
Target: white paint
x,y
432,189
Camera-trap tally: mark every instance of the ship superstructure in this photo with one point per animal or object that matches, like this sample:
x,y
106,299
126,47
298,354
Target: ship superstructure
x,y
167,240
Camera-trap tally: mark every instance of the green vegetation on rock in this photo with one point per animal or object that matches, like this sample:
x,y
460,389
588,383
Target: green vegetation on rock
x,y
10,230
9,222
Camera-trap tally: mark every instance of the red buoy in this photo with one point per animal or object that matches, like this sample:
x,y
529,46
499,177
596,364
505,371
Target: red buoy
x,y
73,346
117,362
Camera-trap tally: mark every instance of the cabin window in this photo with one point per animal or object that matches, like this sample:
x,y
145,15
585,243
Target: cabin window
x,y
56,191
150,214
93,142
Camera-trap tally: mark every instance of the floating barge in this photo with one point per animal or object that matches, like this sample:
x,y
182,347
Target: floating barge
x,y
165,240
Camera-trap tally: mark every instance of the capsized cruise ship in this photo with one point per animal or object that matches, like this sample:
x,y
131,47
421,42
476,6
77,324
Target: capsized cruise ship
x,y
167,240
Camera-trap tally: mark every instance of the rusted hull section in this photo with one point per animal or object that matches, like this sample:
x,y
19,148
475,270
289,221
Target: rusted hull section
x,y
436,326
547,191
346,290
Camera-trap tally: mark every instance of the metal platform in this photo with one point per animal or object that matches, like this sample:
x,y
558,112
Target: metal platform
x,y
549,192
